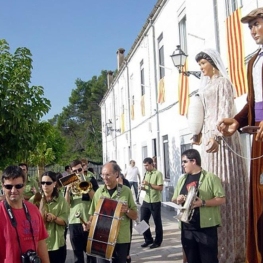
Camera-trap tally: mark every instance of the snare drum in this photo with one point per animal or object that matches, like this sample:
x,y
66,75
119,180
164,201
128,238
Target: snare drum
x,y
104,228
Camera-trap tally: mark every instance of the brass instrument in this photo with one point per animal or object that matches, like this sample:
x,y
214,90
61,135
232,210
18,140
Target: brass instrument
x,y
79,184
187,211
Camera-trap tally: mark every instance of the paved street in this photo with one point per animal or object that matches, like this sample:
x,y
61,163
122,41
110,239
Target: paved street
x,y
170,250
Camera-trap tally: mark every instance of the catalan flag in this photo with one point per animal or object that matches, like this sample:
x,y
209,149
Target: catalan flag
x,y
161,91
235,46
132,112
183,90
122,123
142,106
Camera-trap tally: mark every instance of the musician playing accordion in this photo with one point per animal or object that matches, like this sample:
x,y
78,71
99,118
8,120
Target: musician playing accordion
x,y
201,217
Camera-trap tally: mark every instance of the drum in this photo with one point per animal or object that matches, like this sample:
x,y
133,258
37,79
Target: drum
x,y
104,228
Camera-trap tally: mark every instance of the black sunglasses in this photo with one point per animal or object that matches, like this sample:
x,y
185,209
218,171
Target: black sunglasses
x,y
10,186
186,161
47,183
77,170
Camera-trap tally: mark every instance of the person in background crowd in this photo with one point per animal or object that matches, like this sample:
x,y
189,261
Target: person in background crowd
x,y
55,211
79,203
153,186
31,187
252,114
67,171
132,174
199,234
22,227
110,174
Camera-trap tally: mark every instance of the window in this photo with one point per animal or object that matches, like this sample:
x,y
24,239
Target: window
x,y
161,56
166,157
183,34
142,78
231,6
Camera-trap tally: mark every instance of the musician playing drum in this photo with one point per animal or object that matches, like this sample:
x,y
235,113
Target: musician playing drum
x,y
199,235
113,190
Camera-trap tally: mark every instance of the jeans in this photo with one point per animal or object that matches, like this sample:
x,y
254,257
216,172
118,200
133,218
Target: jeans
x,y
135,187
154,209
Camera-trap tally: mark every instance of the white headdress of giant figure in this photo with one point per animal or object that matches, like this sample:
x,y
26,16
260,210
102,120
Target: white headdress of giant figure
x,y
195,114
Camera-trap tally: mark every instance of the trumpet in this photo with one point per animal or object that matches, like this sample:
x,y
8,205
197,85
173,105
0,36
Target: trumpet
x,y
79,183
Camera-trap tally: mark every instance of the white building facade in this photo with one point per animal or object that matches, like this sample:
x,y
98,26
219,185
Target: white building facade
x,y
134,124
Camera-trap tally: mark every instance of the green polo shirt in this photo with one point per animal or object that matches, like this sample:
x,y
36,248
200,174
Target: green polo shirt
x,y
60,208
210,187
31,182
125,195
152,195
79,205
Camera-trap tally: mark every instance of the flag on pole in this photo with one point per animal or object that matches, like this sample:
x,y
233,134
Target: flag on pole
x,y
161,91
236,54
183,90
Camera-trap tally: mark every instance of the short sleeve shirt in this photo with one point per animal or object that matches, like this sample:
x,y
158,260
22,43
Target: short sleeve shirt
x,y
152,195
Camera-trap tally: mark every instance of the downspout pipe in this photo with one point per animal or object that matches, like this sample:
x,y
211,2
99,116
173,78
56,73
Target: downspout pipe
x,y
156,92
129,111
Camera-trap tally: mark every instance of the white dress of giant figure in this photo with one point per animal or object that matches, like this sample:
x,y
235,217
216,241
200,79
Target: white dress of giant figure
x,y
217,96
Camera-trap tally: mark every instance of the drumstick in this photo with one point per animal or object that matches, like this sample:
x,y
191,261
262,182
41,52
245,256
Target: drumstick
x,y
78,215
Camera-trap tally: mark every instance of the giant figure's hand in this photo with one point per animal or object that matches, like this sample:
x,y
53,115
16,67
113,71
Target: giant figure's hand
x,y
212,146
227,126
259,136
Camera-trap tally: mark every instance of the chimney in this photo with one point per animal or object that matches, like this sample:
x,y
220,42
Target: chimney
x,y
109,78
120,57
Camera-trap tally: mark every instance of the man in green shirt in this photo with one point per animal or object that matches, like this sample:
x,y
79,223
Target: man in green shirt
x,y
153,186
113,190
79,203
199,230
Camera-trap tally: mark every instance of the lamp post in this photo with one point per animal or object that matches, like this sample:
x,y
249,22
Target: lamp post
x,y
179,57
109,127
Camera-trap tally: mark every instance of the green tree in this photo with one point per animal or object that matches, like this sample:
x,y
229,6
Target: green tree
x,y
80,121
21,105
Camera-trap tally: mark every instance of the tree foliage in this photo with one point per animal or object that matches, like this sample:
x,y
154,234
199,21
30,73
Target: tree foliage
x,y
80,121
21,105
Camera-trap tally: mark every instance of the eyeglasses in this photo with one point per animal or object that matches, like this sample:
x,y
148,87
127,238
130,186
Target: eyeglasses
x,y
47,183
77,170
106,175
10,186
186,161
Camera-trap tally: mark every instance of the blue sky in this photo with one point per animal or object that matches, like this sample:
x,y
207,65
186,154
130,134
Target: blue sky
x,y
71,39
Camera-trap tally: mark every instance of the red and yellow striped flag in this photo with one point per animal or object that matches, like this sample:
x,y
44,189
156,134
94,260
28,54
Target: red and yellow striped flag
x,y
142,106
132,112
161,91
183,91
122,123
235,45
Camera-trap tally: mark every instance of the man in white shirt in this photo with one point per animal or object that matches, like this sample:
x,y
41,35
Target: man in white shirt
x,y
132,174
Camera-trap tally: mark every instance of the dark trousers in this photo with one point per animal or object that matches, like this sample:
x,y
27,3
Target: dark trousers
x,y
58,256
200,246
135,187
119,254
154,209
78,240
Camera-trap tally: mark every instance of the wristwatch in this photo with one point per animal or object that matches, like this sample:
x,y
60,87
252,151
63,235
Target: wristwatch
x,y
203,203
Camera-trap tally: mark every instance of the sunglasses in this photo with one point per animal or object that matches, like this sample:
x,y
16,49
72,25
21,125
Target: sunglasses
x,y
47,183
77,170
10,186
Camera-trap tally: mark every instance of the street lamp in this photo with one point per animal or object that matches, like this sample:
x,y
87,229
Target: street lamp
x,y
179,58
109,127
